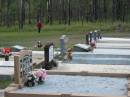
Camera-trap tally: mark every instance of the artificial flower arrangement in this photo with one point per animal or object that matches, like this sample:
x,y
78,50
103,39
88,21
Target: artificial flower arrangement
x,y
36,78
93,44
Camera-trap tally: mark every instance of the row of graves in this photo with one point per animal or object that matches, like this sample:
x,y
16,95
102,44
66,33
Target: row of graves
x,y
47,83
42,83
102,50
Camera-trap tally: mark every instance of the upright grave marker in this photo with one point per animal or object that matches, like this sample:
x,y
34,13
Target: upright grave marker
x,y
49,61
95,35
63,41
22,66
90,36
87,38
99,36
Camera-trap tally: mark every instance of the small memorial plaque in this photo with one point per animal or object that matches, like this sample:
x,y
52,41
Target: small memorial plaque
x,y
51,53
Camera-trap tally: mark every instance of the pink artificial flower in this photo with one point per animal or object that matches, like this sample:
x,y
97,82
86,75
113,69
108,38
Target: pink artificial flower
x,y
93,43
44,74
41,73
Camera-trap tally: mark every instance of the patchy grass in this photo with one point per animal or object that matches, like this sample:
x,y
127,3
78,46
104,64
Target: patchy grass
x,y
76,31
4,83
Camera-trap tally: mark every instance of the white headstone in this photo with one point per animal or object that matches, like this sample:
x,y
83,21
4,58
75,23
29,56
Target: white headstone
x,y
51,53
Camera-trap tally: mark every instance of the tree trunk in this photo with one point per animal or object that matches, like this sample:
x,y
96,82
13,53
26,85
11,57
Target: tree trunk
x,y
60,11
29,12
0,12
21,14
94,4
104,9
64,14
7,22
50,12
69,12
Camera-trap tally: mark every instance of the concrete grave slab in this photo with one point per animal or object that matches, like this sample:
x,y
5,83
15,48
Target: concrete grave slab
x,y
113,45
6,63
80,84
93,68
114,40
102,56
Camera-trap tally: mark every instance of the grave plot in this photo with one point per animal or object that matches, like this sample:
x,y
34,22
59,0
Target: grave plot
x,y
77,84
6,63
114,51
114,40
114,43
103,56
94,68
108,51
38,58
68,84
6,69
80,84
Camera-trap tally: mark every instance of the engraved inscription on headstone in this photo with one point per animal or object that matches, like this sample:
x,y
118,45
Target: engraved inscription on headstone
x,y
51,53
25,63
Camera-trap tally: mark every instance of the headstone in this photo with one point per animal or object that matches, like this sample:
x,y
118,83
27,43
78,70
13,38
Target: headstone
x,y
22,66
99,36
49,56
63,41
87,38
95,35
90,36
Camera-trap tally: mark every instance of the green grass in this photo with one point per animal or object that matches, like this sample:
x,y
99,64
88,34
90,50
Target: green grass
x,y
4,83
76,31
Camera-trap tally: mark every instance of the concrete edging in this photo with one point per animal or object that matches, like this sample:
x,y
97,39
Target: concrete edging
x,y
85,73
9,91
54,95
128,87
